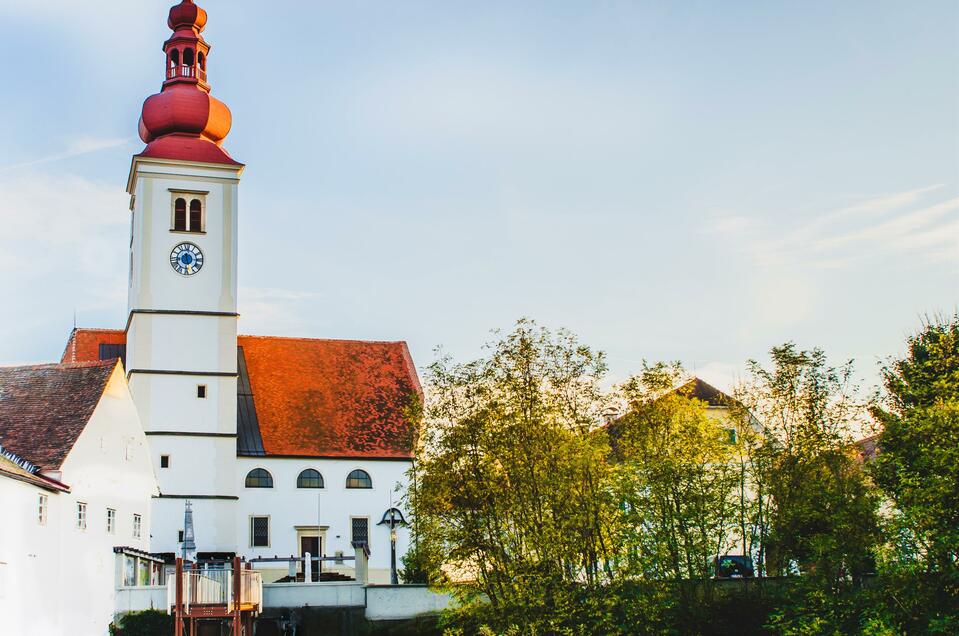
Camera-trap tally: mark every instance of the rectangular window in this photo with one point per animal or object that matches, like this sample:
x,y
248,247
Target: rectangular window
x,y
42,510
164,461
360,529
111,521
201,391
179,536
137,521
81,516
260,532
731,435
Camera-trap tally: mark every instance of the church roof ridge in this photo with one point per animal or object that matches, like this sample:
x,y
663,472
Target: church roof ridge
x,y
313,339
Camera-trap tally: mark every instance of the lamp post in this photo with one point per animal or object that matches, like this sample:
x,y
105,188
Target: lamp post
x,y
392,518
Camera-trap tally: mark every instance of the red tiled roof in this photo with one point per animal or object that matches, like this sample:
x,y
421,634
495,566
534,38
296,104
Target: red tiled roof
x,y
336,398
43,409
84,344
317,398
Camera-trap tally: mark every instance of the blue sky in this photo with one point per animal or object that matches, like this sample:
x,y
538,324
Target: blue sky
x,y
695,181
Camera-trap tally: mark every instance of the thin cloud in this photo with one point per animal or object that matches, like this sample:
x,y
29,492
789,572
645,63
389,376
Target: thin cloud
x,y
79,147
875,227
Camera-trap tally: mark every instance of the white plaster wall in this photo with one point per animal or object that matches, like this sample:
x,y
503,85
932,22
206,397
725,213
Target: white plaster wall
x,y
198,465
289,506
397,602
108,467
169,403
181,342
30,559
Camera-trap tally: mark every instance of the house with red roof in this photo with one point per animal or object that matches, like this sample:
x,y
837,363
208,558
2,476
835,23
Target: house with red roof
x,y
76,482
283,446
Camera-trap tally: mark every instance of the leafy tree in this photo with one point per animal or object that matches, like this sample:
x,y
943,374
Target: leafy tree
x,y
918,459
677,478
512,480
821,514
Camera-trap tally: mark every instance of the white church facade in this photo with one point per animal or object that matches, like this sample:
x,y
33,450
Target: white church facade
x,y
283,445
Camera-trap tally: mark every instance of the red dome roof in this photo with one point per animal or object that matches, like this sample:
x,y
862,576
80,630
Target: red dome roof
x,y
187,15
183,121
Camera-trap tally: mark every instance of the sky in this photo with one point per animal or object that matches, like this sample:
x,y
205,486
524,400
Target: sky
x,y
694,181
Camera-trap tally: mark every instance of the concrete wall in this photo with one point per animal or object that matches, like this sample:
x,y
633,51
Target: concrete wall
x,y
313,595
396,602
139,599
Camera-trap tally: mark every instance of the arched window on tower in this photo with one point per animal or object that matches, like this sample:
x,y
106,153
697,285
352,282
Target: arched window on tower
x,y
201,66
174,63
188,63
179,215
196,216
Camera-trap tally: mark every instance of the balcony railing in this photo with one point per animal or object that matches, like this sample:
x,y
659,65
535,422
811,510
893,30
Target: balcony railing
x,y
215,588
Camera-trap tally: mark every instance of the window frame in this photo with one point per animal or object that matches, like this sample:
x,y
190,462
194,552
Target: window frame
x,y
137,526
81,516
165,459
369,534
43,502
318,474
189,197
369,478
246,480
269,532
201,392
111,521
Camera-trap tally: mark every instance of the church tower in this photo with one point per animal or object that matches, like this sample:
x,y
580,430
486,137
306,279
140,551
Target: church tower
x,y
181,329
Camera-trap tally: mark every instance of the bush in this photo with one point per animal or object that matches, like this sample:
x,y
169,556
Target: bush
x,y
148,623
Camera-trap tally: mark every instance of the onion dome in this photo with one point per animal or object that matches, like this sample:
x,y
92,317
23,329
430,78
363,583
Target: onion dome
x,y
183,121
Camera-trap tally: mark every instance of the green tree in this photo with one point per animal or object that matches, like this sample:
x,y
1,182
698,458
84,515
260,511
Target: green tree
x,y
821,508
918,459
677,478
512,482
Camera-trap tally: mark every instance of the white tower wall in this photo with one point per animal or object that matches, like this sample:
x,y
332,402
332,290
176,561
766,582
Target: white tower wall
x,y
181,336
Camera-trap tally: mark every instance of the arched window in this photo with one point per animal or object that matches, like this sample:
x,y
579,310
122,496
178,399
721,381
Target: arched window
x,y
259,478
201,60
309,478
196,216
174,63
188,57
359,479
179,215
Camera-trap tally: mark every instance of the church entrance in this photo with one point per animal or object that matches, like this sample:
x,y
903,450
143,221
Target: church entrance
x,y
312,540
311,545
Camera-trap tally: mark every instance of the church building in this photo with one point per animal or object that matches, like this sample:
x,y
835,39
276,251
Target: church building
x,y
283,445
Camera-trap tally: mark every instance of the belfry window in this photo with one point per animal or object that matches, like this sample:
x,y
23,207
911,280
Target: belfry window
x,y
179,215
188,212
196,216
188,63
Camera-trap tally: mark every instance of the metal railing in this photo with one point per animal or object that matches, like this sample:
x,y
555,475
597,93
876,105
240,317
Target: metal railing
x,y
216,587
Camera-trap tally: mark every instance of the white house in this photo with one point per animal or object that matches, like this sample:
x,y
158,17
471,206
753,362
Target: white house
x,y
76,481
283,445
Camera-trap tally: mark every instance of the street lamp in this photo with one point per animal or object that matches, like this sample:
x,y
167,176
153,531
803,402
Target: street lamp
x,y
392,518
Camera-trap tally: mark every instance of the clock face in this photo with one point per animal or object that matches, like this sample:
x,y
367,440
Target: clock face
x,y
186,259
